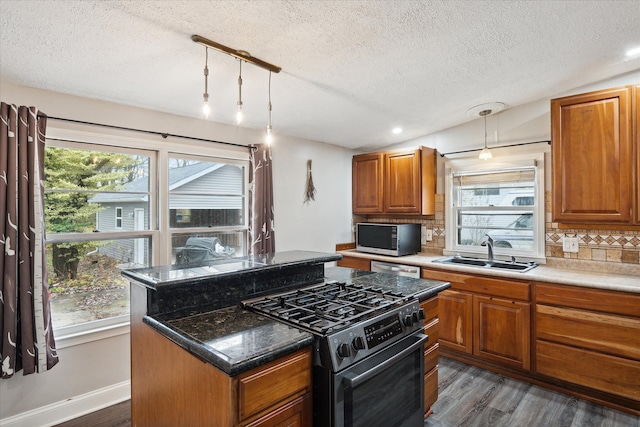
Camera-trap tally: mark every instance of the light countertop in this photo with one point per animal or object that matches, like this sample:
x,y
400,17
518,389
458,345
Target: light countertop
x,y
572,272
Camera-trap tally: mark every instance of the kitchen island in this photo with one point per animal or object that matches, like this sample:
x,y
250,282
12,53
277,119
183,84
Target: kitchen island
x,y
198,358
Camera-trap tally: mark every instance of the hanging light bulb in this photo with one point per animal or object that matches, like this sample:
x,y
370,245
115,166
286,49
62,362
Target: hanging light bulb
x,y
205,107
485,154
269,135
239,113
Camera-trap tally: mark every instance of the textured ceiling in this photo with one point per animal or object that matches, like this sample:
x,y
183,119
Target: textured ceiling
x,y
351,70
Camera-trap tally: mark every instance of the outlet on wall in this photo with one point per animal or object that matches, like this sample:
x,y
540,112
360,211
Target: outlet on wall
x,y
426,235
570,244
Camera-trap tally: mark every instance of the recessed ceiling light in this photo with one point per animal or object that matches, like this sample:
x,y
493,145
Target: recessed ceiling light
x,y
397,130
632,53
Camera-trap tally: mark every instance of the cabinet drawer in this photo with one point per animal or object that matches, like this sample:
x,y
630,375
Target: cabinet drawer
x,y
274,383
430,308
431,357
602,372
430,388
607,333
298,413
355,262
591,299
431,329
481,285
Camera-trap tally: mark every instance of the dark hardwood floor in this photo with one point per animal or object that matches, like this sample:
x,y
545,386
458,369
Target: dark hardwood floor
x,y
468,396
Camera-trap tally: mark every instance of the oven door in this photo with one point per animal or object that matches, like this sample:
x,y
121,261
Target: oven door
x,y
386,389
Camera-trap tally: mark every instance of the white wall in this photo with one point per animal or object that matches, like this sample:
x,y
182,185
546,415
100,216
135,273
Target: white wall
x,y
102,365
322,223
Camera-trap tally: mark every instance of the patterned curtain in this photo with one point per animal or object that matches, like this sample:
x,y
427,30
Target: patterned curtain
x,y
261,232
25,318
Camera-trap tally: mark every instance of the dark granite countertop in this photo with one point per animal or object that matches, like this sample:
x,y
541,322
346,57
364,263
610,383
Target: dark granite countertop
x,y
422,289
232,339
224,269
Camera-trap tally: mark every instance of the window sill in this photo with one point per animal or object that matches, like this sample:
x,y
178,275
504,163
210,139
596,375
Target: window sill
x,y
70,336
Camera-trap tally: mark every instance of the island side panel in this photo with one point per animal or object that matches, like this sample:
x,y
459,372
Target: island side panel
x,y
169,386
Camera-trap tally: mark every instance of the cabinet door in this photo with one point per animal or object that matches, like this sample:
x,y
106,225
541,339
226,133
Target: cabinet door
x,y
367,176
298,413
402,186
502,331
454,312
637,148
592,157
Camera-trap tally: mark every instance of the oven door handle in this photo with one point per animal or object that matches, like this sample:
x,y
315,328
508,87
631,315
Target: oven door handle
x,y
353,381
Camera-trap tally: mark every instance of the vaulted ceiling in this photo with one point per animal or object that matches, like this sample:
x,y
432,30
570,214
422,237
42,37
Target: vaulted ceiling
x,y
351,70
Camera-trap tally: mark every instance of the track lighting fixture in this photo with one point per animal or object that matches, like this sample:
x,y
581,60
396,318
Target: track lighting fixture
x,y
241,55
205,106
269,135
239,113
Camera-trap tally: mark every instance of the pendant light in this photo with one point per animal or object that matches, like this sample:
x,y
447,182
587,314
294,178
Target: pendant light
x,y
239,113
205,106
485,154
269,136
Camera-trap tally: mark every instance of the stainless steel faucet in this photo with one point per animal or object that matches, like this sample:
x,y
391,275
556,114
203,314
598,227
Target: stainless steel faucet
x,y
489,244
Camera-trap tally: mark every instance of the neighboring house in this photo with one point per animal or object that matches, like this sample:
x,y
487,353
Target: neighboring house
x,y
201,195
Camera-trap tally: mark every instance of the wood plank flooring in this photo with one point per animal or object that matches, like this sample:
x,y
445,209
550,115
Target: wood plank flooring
x,y
468,396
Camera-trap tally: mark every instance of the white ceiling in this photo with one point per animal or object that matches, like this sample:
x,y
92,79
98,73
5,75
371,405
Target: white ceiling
x,y
351,70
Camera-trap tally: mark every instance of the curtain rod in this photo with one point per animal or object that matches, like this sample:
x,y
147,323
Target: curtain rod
x,y
499,146
162,134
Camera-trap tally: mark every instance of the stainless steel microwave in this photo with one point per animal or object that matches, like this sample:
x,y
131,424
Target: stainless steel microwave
x,y
388,239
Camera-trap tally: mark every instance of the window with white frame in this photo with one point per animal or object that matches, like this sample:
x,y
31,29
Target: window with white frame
x,y
119,217
88,185
505,204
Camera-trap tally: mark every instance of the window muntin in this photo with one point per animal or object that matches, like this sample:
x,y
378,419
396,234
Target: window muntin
x,y
499,203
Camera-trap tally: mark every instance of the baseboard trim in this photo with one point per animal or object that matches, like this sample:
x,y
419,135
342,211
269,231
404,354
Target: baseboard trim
x,y
74,407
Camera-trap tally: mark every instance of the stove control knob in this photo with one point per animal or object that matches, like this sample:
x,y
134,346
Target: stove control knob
x,y
358,343
408,321
415,317
344,350
421,314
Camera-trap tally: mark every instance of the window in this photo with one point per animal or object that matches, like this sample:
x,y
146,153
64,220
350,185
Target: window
x,y
504,204
85,189
102,203
118,217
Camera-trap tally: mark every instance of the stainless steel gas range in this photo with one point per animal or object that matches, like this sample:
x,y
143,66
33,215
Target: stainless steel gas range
x,y
368,351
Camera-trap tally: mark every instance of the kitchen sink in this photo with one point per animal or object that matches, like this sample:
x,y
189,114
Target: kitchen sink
x,y
484,263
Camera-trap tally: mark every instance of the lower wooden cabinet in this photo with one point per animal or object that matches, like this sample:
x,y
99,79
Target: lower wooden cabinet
x,y
502,331
488,323
431,352
455,313
293,414
589,337
355,262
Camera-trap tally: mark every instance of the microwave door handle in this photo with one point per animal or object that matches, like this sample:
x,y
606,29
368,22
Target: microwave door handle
x,y
408,270
355,380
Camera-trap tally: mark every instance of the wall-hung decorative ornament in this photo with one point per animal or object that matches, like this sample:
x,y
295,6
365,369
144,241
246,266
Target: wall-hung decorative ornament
x,y
310,189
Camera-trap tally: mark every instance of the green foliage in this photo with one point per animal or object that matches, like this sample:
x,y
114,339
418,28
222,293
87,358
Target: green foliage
x,y
72,178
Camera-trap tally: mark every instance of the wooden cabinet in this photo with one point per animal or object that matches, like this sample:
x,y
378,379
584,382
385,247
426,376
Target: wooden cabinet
x,y
456,318
636,108
592,156
355,262
399,182
367,179
502,331
589,337
431,352
172,387
485,317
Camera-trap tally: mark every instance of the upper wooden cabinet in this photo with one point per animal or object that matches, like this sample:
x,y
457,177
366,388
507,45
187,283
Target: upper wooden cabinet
x,y
636,107
592,154
395,182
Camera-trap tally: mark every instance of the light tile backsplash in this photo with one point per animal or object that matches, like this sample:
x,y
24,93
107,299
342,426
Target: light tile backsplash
x,y
619,248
